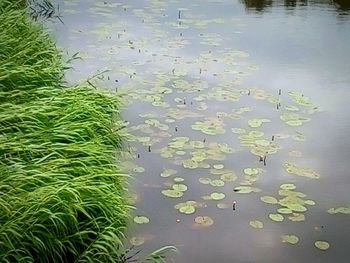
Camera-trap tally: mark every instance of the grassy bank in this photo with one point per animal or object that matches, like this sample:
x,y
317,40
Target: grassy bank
x,y
61,193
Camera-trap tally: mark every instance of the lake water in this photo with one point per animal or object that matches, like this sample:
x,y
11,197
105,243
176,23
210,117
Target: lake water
x,y
232,64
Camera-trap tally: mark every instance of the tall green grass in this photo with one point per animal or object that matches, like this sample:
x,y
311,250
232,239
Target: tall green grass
x,y
61,193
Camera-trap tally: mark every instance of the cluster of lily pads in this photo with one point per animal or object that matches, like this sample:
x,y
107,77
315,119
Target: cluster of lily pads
x,y
175,93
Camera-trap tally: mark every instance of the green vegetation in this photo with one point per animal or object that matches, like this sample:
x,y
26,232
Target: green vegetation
x,y
61,193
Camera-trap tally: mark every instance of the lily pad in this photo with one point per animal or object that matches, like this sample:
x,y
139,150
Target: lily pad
x,y
141,220
284,210
217,196
245,189
180,187
204,221
291,239
251,171
322,245
301,171
172,193
204,180
187,209
339,210
256,122
218,166
287,186
217,182
276,217
256,224
179,179
269,199
168,172
137,240
297,217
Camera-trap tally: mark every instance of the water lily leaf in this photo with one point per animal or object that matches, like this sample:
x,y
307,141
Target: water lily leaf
x,y
204,180
139,169
180,187
256,224
291,239
256,122
137,240
204,221
218,166
311,202
284,210
238,130
245,189
322,245
217,196
168,172
297,207
141,220
297,217
340,210
301,171
172,193
276,217
287,186
269,199
228,177
217,182
190,164
187,209
179,179
251,171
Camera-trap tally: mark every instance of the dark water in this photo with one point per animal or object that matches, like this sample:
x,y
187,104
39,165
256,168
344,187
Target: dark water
x,y
292,45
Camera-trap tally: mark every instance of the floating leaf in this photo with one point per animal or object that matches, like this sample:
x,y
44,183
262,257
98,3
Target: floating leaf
x,y
187,209
141,220
284,210
307,172
168,172
172,193
204,180
256,224
292,239
137,241
340,210
269,199
245,189
217,196
217,182
218,166
322,245
312,202
204,221
179,179
276,217
255,122
180,187
251,171
228,177
297,217
287,186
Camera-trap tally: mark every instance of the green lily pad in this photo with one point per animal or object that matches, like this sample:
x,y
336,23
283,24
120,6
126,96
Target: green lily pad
x,y
204,180
168,172
204,221
218,166
141,220
269,199
301,171
288,186
251,171
256,224
187,209
256,122
137,240
339,210
246,189
291,239
180,187
238,130
297,217
179,179
284,210
322,245
217,196
139,169
217,182
276,217
312,202
172,193
296,207
228,177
